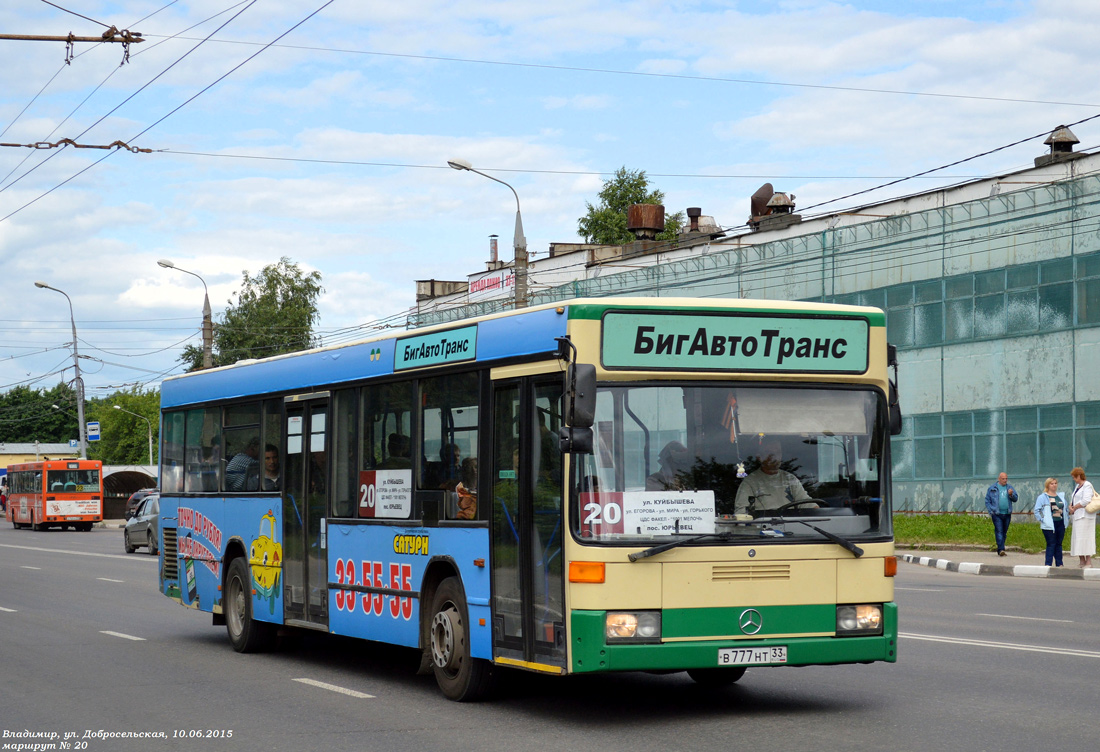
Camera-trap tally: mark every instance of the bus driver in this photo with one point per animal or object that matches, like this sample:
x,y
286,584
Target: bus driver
x,y
769,486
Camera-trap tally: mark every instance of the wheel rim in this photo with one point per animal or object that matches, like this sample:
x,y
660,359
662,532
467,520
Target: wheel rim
x,y
447,635
236,613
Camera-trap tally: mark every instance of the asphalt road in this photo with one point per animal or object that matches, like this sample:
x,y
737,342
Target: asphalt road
x,y
87,644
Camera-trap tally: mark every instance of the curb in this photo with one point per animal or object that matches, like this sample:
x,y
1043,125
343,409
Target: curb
x,y
1002,570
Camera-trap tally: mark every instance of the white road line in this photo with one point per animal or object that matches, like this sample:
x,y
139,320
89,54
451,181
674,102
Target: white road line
x,y
108,579
123,636
8,610
334,688
25,567
1002,645
80,553
1027,618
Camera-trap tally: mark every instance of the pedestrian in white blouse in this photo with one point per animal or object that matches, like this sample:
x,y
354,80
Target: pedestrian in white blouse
x,y
1083,542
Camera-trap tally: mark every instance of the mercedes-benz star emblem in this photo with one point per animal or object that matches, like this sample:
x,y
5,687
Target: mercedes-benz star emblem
x,y
750,621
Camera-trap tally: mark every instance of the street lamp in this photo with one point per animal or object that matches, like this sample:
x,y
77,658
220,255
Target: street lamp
x,y
147,421
519,241
207,323
76,367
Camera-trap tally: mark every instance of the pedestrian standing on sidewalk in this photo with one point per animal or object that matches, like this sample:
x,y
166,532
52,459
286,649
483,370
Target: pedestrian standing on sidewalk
x,y
1050,512
1083,542
998,502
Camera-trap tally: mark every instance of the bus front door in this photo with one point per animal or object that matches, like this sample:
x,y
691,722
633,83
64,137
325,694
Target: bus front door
x,y
305,505
527,574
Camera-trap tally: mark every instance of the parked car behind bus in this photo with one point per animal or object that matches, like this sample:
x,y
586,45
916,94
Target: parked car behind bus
x,y
143,528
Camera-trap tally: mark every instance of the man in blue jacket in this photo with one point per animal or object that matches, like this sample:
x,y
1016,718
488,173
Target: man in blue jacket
x,y
998,502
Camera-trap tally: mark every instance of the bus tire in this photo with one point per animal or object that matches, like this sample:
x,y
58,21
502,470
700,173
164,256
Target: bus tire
x,y
716,677
245,633
460,676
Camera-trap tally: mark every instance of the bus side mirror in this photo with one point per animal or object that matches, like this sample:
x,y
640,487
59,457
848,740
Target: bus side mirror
x,y
580,410
893,404
895,411
575,437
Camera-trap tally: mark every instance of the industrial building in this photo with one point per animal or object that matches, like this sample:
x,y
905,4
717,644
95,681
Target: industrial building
x,y
991,289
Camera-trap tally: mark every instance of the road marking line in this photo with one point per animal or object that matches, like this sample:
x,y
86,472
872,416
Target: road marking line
x,y
80,553
334,688
108,579
1002,645
1027,618
25,567
123,636
8,610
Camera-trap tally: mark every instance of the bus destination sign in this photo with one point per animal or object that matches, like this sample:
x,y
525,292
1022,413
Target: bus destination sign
x,y
437,348
737,342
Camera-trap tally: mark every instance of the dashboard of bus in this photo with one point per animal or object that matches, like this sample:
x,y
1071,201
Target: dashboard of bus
x,y
734,463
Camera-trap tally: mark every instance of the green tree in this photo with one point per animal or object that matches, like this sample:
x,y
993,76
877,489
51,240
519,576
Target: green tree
x,y
27,415
274,313
124,438
606,221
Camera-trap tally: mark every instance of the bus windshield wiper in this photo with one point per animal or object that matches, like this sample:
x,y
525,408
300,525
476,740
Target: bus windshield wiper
x,y
662,547
842,542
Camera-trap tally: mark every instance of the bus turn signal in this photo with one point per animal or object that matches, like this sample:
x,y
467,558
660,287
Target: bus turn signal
x,y
586,571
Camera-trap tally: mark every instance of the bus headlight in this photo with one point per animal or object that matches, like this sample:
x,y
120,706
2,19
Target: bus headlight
x,y
865,619
633,626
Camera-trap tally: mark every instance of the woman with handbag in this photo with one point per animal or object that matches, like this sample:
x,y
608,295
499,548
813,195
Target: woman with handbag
x,y
1050,512
1083,542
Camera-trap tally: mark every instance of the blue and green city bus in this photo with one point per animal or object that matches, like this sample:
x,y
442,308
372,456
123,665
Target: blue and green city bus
x,y
617,484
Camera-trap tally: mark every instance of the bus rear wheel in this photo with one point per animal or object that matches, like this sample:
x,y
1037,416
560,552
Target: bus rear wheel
x,y
716,677
245,633
460,676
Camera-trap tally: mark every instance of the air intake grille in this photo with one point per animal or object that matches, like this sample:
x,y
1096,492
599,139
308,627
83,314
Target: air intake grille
x,y
171,563
750,572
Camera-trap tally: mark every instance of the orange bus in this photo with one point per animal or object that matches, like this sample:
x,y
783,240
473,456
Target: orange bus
x,y
55,493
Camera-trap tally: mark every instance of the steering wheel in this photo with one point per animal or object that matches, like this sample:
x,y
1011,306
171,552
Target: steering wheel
x,y
800,502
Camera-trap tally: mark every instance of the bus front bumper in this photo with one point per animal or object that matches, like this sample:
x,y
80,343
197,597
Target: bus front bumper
x,y
592,653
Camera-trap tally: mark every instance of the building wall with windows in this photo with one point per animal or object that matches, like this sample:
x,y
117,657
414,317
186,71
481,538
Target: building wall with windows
x,y
992,295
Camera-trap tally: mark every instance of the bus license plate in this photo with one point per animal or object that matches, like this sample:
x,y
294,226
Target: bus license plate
x,y
752,656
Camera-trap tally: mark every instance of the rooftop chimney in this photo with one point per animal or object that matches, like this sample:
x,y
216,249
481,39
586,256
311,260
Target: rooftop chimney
x,y
645,220
694,213
1060,141
771,210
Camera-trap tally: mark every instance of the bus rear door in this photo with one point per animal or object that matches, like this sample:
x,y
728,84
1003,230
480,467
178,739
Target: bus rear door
x,y
305,501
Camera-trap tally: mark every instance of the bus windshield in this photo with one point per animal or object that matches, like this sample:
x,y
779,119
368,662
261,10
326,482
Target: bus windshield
x,y
745,462
77,481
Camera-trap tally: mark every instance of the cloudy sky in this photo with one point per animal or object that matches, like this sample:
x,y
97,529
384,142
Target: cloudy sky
x,y
321,131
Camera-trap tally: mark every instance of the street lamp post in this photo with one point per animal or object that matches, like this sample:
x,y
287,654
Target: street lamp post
x,y
519,242
76,367
207,322
147,422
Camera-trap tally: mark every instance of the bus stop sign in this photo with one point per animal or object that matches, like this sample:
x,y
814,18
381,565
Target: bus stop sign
x,y
93,430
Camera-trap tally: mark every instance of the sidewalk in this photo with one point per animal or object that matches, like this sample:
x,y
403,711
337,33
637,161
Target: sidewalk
x,y
1012,564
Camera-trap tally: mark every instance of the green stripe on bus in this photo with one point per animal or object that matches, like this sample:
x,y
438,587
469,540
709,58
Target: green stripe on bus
x,y
595,312
712,622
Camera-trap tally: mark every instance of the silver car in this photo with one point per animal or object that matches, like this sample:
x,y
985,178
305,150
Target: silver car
x,y
143,529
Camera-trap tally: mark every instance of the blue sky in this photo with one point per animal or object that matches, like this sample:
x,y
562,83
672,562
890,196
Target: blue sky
x,y
330,146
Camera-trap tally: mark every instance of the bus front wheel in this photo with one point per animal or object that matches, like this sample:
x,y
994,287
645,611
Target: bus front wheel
x,y
245,633
460,676
716,677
